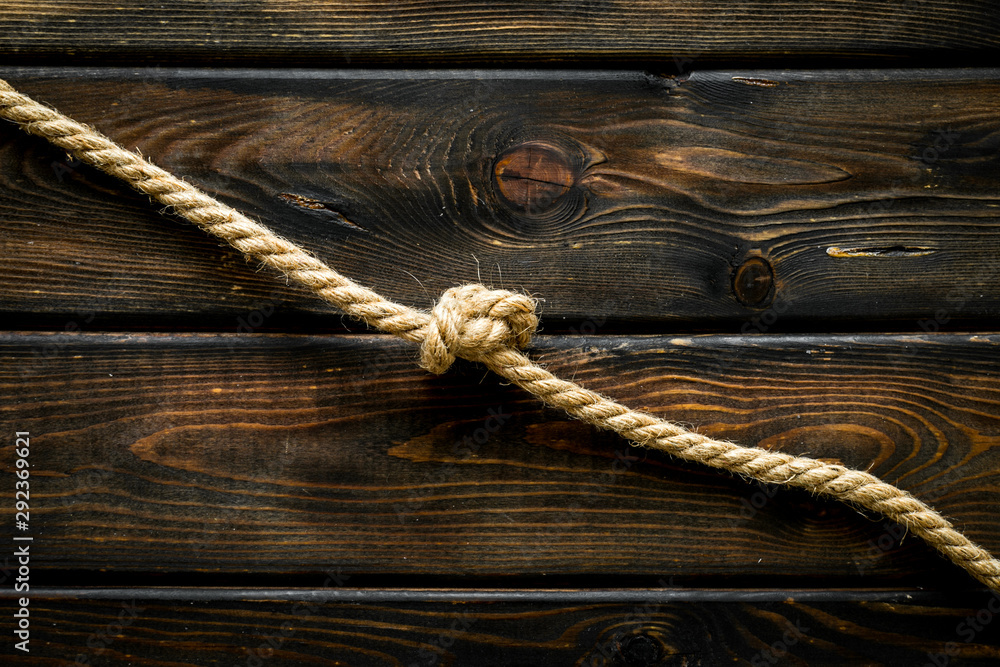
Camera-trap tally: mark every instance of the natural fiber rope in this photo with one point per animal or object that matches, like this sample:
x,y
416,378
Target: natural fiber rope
x,y
489,326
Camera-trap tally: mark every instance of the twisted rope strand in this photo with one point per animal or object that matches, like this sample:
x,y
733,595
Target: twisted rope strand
x,y
491,326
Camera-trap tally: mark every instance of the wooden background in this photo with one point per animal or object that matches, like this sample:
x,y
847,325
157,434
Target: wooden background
x,y
775,224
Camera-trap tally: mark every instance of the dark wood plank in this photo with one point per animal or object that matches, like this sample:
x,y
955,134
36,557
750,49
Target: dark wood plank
x,y
263,455
676,628
727,200
429,31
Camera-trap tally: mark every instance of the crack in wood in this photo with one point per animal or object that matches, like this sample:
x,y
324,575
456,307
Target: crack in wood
x,y
892,251
752,81
315,205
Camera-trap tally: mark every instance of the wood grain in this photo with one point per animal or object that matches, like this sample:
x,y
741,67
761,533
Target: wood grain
x,y
671,34
679,628
871,195
259,455
255,499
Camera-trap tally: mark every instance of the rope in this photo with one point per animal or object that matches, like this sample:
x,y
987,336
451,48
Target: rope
x,y
491,326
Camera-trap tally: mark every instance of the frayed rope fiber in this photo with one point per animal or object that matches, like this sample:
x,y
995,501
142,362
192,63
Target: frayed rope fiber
x,y
491,327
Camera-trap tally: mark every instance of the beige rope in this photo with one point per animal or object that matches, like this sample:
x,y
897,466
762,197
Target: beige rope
x,y
489,326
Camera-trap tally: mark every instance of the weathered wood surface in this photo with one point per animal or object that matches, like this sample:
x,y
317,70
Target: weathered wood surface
x,y
670,200
259,455
336,32
862,196
670,627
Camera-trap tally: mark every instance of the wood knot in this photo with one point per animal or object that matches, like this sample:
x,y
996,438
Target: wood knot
x,y
532,177
753,283
640,650
471,321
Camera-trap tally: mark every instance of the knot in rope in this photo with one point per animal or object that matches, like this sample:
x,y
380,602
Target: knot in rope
x,y
471,321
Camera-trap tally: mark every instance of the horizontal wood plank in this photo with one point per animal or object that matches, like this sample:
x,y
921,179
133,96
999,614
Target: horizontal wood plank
x,y
673,629
444,31
750,200
291,454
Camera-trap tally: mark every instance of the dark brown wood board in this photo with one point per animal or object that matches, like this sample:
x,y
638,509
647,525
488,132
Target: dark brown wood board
x,y
668,626
775,223
594,32
737,201
264,455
